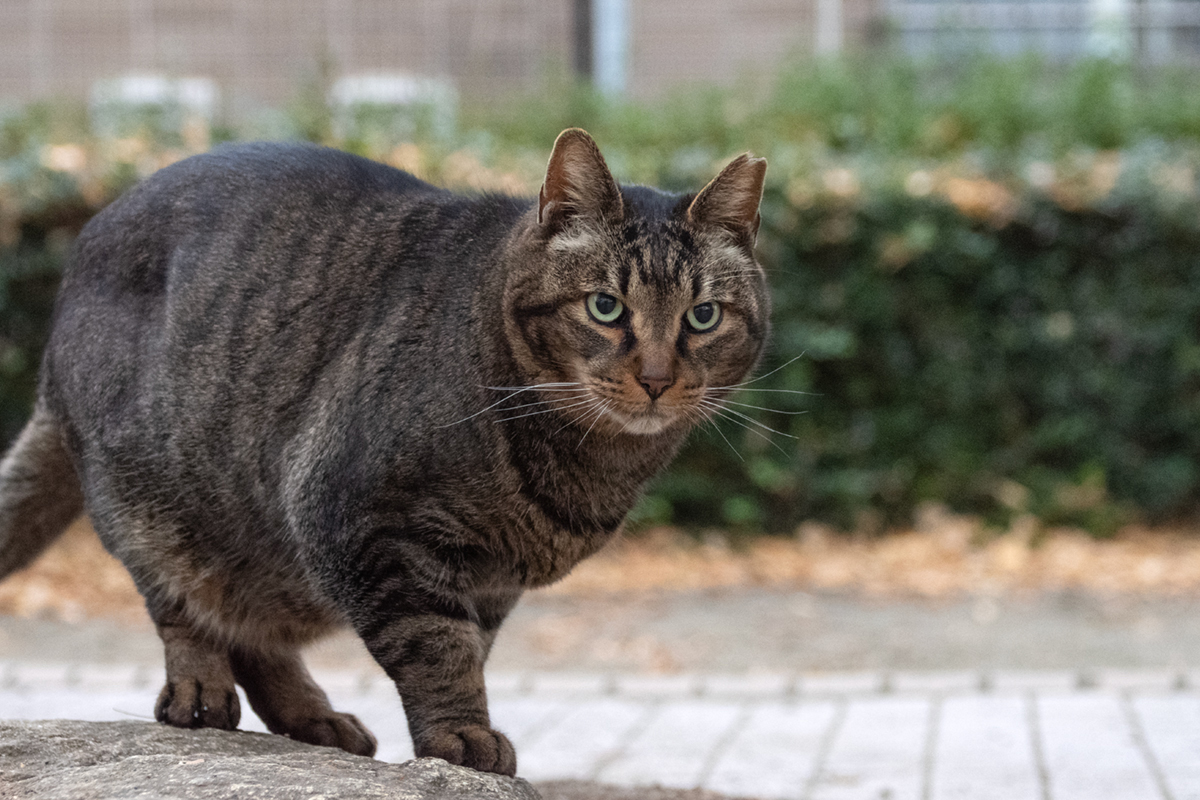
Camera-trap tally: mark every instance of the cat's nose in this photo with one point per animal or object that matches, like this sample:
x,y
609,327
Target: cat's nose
x,y
655,383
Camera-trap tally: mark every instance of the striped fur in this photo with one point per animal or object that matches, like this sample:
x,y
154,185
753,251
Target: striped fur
x,y
274,369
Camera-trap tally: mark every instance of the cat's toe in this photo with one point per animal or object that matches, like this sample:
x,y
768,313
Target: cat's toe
x,y
336,730
188,703
474,746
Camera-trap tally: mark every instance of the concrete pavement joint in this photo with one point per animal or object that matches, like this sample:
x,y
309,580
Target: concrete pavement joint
x,y
1143,745
1039,746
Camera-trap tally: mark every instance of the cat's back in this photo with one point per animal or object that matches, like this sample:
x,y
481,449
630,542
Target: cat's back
x,y
248,267
242,201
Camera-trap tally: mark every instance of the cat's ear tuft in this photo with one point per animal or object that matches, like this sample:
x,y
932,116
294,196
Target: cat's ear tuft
x,y
731,200
578,183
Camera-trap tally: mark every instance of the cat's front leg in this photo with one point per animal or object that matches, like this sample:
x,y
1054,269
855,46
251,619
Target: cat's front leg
x,y
437,664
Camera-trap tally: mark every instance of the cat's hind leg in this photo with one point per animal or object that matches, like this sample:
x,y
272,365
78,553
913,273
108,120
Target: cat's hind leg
x,y
289,702
199,692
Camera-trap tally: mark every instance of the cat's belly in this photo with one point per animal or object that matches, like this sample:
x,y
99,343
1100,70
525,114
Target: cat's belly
x,y
254,598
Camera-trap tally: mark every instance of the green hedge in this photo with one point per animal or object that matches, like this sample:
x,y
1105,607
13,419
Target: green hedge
x,y
968,308
1029,357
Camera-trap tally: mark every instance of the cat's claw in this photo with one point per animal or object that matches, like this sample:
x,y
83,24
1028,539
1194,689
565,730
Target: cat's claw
x,y
190,704
474,746
335,730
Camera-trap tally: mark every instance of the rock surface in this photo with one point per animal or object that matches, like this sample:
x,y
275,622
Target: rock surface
x,y
92,760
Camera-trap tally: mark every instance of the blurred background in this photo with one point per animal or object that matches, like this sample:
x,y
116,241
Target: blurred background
x,y
981,227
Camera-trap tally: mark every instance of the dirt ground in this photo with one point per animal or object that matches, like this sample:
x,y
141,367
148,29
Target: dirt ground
x,y
944,557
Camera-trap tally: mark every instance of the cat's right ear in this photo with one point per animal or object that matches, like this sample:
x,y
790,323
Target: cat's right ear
x,y
578,184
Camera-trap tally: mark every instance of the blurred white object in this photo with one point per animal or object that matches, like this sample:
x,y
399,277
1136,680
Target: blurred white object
x,y
404,103
134,100
196,95
1111,35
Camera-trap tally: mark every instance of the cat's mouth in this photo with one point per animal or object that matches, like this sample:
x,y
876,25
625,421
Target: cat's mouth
x,y
644,421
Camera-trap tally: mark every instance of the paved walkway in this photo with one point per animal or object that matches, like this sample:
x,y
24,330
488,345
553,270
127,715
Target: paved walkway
x,y
1014,735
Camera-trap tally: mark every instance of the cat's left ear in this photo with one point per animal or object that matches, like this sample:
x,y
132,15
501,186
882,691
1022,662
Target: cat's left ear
x,y
578,183
731,200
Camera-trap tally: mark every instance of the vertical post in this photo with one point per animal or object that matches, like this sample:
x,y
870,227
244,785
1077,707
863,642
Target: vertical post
x,y
610,25
829,27
339,34
1156,24
1110,32
581,30
141,36
39,49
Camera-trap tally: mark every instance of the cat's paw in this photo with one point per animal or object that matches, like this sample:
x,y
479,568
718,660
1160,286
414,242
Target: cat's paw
x,y
474,746
335,730
188,703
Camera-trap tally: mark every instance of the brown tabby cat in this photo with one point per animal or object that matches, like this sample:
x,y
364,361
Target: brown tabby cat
x,y
296,389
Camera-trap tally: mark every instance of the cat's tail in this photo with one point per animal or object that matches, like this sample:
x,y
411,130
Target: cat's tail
x,y
39,492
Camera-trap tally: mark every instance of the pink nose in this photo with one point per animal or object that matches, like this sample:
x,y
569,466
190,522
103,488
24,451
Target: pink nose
x,y
655,385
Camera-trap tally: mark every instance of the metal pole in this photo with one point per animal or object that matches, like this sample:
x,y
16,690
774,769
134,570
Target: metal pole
x,y
581,24
39,49
829,26
611,24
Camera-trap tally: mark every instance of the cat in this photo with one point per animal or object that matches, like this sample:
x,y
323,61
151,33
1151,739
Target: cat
x,y
296,389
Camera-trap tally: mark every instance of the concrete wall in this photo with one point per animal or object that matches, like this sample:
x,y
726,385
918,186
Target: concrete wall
x,y
258,51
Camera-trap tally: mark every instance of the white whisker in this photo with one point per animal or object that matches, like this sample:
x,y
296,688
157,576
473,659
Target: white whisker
x,y
600,412
517,391
580,394
753,421
578,418
533,386
712,421
760,377
758,389
546,410
759,408
755,432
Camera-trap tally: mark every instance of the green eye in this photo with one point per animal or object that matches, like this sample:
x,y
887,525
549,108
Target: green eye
x,y
604,307
704,317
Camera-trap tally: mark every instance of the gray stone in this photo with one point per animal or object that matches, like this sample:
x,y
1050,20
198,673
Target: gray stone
x,y
126,760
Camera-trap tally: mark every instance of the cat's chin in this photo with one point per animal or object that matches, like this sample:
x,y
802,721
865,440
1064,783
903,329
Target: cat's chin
x,y
644,424
647,425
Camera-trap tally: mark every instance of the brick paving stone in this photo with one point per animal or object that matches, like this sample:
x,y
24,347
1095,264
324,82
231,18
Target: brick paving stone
x,y
774,754
766,686
117,676
506,683
570,683
347,681
1090,750
90,706
879,751
935,681
1032,680
577,745
984,750
676,747
1139,679
827,683
658,686
34,676
1171,726
383,715
1135,737
524,719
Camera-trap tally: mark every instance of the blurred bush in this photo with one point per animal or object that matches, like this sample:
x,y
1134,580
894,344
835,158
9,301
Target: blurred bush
x,y
986,275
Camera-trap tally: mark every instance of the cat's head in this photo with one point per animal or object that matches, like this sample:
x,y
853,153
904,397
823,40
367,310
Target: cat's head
x,y
635,305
